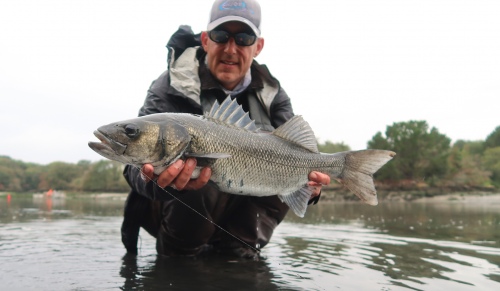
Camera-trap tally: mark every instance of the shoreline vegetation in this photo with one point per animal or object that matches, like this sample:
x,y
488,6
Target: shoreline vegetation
x,y
338,193
331,195
426,165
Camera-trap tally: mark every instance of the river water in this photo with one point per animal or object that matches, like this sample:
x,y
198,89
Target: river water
x,y
75,244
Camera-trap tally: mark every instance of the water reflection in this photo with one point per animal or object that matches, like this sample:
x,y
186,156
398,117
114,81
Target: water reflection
x,y
394,246
27,207
479,223
390,240
206,272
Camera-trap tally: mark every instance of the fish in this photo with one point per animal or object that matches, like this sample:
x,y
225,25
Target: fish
x,y
243,160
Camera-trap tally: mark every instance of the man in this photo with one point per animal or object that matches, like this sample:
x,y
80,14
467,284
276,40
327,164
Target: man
x,y
202,69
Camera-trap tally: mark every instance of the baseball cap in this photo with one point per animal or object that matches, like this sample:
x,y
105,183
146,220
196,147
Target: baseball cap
x,y
246,11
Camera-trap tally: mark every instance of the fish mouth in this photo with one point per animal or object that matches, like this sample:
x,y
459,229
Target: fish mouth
x,y
107,144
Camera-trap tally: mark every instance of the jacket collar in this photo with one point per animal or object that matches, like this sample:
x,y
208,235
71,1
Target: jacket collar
x,y
186,77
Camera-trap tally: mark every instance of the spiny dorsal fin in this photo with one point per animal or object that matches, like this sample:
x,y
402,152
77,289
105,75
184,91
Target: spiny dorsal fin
x,y
298,131
231,113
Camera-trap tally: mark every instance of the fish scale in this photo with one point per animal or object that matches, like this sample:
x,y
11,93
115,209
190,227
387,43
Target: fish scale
x,y
243,160
272,165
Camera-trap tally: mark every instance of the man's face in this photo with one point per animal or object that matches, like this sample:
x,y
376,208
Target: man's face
x,y
229,62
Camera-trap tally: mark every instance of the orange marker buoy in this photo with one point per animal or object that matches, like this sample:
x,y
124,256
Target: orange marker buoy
x,y
8,199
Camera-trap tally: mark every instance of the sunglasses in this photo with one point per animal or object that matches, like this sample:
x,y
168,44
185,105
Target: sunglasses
x,y
240,38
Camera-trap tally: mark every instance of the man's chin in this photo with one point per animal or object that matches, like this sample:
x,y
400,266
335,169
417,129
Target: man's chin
x,y
227,80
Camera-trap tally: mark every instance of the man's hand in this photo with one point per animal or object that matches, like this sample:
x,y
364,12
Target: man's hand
x,y
317,180
178,175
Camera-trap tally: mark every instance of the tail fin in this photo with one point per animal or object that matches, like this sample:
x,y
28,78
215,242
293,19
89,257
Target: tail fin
x,y
358,171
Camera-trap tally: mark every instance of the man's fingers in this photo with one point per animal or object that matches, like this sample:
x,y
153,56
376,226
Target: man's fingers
x,y
201,181
167,176
317,180
147,172
185,175
316,188
314,184
320,178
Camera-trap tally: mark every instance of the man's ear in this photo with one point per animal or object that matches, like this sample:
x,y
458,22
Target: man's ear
x,y
204,40
260,46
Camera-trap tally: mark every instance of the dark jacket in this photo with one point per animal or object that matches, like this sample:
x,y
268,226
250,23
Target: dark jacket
x,y
189,87
189,96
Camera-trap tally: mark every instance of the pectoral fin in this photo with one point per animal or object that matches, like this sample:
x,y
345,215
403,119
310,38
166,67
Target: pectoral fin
x,y
208,156
297,201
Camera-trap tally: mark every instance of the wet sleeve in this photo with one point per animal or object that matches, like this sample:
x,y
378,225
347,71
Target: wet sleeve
x,y
281,109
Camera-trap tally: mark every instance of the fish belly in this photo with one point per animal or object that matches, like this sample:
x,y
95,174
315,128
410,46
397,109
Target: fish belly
x,y
245,175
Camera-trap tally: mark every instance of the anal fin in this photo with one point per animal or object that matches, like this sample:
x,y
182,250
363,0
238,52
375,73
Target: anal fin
x,y
297,201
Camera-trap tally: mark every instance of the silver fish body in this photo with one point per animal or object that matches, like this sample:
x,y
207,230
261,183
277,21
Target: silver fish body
x,y
243,160
261,164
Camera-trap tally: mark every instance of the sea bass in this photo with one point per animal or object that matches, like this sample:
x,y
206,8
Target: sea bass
x,y
244,160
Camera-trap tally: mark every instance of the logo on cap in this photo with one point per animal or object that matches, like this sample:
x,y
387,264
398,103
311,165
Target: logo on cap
x,y
235,5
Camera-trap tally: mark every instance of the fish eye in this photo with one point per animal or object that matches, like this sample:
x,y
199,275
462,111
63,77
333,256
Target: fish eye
x,y
131,130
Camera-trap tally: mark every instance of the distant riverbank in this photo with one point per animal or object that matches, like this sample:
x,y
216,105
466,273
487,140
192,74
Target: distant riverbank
x,y
113,195
343,195
340,194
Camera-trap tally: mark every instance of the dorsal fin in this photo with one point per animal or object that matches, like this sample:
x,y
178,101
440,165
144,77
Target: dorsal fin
x,y
298,131
231,113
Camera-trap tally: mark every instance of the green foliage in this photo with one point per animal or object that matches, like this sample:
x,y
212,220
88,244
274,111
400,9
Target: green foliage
x,y
84,164
475,147
60,175
465,167
105,176
32,177
85,175
13,174
420,153
493,140
491,161
330,147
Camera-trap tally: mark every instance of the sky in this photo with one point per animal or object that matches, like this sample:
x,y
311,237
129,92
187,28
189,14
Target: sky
x,y
350,67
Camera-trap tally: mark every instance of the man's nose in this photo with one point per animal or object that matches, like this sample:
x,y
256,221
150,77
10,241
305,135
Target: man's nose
x,y
230,47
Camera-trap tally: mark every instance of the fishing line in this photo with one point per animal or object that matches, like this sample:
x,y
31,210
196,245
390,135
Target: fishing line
x,y
220,227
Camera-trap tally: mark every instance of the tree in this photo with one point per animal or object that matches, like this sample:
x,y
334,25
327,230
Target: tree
x,y
105,176
493,140
330,147
474,147
420,153
5,178
11,174
32,177
466,167
60,175
84,164
491,161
